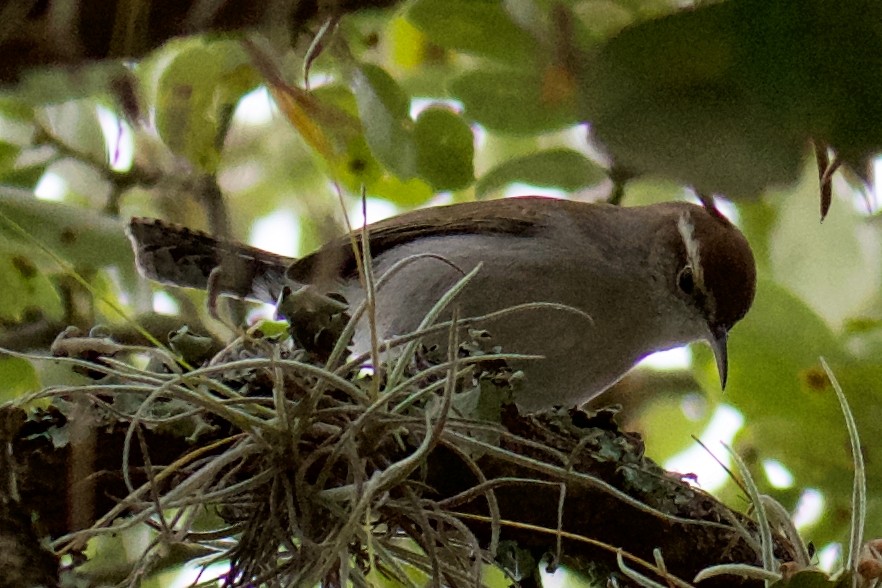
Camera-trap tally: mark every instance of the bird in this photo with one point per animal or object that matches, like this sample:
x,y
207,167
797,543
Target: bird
x,y
643,279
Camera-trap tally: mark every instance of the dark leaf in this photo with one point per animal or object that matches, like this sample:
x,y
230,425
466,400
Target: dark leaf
x,y
445,149
518,102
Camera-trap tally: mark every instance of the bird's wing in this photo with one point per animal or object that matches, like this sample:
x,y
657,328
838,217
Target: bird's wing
x,y
175,255
512,216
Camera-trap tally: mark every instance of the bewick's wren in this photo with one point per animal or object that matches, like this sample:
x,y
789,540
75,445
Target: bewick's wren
x,y
651,278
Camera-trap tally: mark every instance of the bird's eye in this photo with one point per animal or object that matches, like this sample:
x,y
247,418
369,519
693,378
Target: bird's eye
x,y
685,281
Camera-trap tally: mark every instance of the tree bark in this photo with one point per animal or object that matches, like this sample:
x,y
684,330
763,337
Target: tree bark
x,y
40,33
68,473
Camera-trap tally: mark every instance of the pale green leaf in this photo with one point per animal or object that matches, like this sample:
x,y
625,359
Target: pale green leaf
x,y
384,111
196,95
18,377
479,27
555,168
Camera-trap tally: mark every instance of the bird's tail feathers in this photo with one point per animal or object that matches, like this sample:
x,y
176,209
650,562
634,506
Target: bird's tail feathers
x,y
175,255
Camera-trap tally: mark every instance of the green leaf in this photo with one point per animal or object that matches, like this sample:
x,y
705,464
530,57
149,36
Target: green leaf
x,y
556,168
8,154
804,63
413,192
384,111
700,137
25,178
726,96
25,288
445,149
661,100
15,108
517,102
55,85
75,123
12,174
479,27
327,122
80,236
18,377
196,95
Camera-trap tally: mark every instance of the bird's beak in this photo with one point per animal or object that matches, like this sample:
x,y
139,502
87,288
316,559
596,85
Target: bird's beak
x,y
717,339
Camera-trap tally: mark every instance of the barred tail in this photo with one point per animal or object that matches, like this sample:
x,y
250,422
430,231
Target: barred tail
x,y
178,256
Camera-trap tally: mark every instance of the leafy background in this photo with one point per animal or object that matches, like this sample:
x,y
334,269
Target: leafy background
x,y
437,101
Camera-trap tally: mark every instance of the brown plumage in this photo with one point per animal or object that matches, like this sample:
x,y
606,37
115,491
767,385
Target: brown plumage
x,y
650,277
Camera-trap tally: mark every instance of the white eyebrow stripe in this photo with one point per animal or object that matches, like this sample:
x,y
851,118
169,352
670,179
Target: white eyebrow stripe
x,y
693,255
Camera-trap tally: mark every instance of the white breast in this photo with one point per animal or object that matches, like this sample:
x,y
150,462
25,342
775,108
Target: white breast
x,y
582,358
